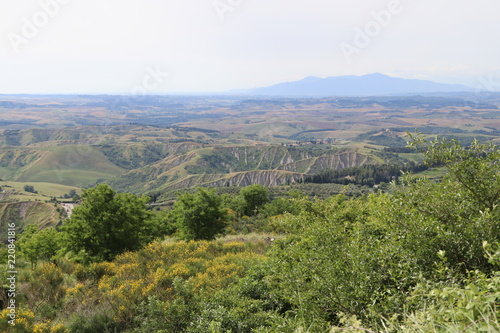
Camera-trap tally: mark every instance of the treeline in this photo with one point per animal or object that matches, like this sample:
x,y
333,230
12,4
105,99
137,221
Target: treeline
x,y
387,139
440,130
370,174
108,223
399,150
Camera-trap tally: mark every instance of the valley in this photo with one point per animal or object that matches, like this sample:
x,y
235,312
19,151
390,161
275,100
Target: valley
x,y
233,166
160,145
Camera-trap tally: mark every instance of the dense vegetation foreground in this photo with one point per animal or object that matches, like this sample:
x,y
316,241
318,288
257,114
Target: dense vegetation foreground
x,y
422,257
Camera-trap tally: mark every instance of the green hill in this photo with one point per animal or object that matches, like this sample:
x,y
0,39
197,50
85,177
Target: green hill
x,y
24,213
70,165
12,160
136,155
237,166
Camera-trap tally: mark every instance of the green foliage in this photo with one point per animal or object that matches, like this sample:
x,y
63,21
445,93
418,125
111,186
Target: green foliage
x,y
164,223
470,305
30,188
476,168
39,245
423,258
471,308
72,195
44,290
280,206
370,174
455,224
26,322
246,306
364,256
133,156
234,202
97,322
108,223
200,216
339,257
161,288
176,316
255,196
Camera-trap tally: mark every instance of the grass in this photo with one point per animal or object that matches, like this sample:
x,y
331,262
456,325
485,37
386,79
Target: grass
x,y
25,213
243,238
250,238
14,191
71,165
434,173
7,173
21,197
43,188
415,157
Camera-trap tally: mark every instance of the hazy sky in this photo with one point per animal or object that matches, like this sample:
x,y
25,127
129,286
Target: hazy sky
x,y
106,46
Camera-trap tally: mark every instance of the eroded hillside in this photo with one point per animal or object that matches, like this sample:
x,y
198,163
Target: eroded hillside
x,y
24,213
238,166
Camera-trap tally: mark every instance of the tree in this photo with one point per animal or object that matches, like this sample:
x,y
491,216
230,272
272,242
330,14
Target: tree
x,y
236,203
109,223
30,188
280,206
364,256
37,245
476,168
255,197
200,216
465,203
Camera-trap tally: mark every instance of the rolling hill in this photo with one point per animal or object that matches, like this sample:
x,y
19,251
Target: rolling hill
x,y
70,165
24,213
228,141
237,166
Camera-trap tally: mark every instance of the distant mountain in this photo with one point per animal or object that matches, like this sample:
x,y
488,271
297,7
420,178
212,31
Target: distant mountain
x,y
366,85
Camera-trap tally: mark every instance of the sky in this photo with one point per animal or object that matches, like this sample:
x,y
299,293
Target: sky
x,y
179,46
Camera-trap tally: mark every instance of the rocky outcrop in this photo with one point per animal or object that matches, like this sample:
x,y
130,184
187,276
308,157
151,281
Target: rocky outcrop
x,y
322,163
265,178
236,166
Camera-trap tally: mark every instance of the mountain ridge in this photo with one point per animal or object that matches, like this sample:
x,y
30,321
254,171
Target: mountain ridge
x,y
375,84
